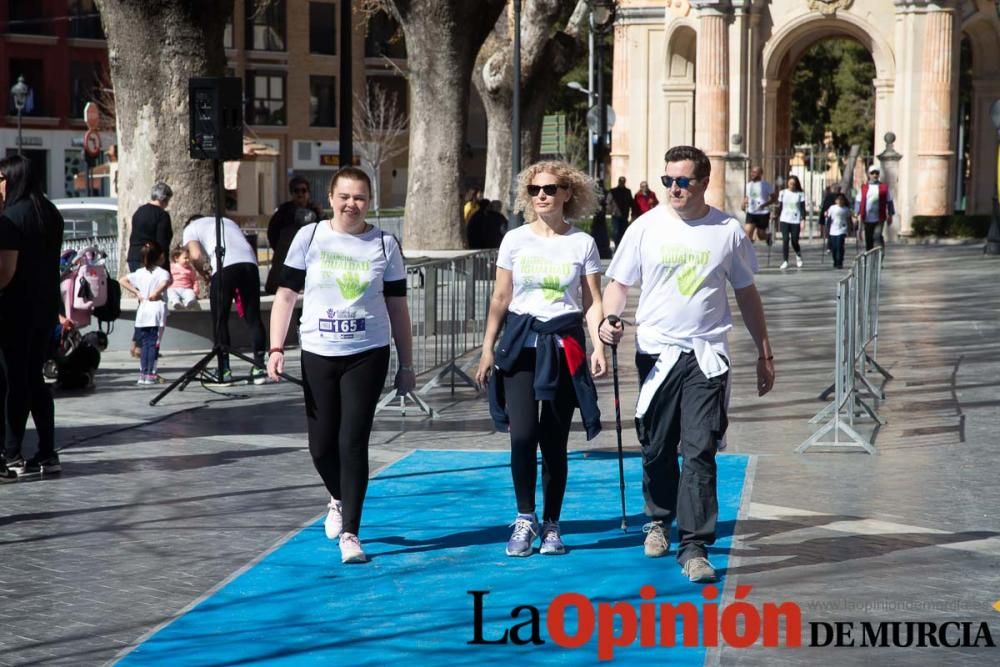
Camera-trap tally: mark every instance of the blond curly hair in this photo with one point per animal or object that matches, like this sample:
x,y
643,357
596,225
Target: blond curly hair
x,y
583,202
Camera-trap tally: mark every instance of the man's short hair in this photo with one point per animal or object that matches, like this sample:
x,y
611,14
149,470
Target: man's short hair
x,y
702,167
161,192
296,181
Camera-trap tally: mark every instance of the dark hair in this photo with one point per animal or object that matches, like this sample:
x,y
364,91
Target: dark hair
x,y
298,180
798,183
23,183
702,167
150,255
352,174
840,195
177,252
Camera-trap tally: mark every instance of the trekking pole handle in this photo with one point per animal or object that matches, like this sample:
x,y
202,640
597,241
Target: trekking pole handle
x,y
614,321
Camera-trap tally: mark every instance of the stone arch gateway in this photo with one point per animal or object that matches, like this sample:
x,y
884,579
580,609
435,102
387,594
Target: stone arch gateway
x,y
742,51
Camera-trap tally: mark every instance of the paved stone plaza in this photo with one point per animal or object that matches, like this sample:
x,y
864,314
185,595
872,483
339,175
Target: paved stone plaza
x,y
159,505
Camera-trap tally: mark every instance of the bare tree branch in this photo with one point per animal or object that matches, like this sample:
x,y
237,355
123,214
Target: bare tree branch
x,y
380,128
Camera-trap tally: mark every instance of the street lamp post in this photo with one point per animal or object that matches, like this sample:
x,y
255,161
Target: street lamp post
x,y
602,18
576,85
993,236
19,91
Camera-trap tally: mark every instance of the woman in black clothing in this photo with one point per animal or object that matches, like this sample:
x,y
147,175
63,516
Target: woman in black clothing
x,y
31,231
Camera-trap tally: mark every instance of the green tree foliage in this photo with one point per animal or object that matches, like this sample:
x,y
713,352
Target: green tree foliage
x,y
832,90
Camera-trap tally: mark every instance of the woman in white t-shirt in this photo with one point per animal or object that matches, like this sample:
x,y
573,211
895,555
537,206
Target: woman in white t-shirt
x,y
147,284
548,281
355,299
793,215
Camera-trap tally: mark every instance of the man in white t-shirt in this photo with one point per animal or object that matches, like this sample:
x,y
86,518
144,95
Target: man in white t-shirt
x,y
239,273
757,204
683,254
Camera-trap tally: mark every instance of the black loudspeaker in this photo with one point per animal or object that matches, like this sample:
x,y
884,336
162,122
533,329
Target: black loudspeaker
x,y
216,118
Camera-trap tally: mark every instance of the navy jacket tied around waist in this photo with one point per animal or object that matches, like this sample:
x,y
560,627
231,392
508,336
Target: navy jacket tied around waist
x,y
517,329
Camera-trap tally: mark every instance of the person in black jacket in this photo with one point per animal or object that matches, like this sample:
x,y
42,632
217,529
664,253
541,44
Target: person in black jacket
x,y
548,281
31,233
151,222
285,223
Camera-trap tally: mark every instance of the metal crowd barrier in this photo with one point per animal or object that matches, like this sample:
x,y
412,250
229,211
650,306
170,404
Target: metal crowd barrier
x,y
448,300
856,348
106,244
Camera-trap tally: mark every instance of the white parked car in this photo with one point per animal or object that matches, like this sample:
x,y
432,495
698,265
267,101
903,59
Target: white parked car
x,y
88,217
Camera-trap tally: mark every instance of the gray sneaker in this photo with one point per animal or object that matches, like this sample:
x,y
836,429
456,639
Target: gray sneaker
x,y
552,544
525,531
657,541
699,570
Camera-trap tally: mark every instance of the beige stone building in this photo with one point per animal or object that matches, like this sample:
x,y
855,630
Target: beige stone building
x,y
288,56
702,71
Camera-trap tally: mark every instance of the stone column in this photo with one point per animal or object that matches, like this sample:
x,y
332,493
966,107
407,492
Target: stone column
x,y
711,120
934,154
620,45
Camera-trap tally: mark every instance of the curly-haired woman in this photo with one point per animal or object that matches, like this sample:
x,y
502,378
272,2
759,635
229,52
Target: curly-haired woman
x,y
548,282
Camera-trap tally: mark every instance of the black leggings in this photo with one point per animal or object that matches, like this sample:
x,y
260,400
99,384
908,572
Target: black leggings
x,y
529,432
245,278
24,354
340,395
873,235
790,232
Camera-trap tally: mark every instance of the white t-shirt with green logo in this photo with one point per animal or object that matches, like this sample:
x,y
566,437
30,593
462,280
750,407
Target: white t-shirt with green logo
x,y
343,310
683,267
547,270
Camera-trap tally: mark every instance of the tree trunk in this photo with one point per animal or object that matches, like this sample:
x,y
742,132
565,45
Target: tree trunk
x,y
442,40
546,56
153,49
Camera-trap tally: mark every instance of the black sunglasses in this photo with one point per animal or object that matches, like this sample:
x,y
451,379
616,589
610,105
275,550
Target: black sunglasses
x,y
549,189
681,181
299,191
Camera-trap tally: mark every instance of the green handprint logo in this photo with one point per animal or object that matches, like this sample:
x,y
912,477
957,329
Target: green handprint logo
x,y
689,279
552,288
351,285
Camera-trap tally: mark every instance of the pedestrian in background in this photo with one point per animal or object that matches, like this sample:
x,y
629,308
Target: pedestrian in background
x,y
148,284
757,205
621,206
31,234
355,297
548,282
792,215
645,199
840,221
287,220
874,207
150,222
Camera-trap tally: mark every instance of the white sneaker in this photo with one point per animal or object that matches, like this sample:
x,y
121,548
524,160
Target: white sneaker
x,y
798,261
334,522
784,265
350,549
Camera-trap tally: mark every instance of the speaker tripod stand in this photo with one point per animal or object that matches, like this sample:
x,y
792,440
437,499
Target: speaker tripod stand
x,y
218,350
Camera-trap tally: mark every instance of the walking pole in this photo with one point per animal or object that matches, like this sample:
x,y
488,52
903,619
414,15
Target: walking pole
x,y
615,321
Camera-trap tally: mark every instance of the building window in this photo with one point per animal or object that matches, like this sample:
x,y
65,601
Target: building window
x,y
33,72
27,17
84,86
323,28
266,98
84,19
384,38
265,25
323,101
